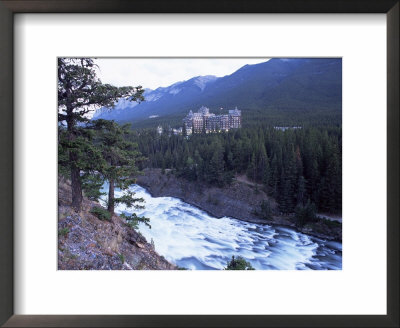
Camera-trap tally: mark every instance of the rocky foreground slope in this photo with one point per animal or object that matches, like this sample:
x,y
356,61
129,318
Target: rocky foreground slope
x,y
87,243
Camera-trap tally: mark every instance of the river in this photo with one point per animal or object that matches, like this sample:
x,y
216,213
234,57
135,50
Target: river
x,y
191,238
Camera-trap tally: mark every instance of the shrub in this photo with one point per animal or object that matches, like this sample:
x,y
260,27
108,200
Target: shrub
x,y
329,223
306,214
63,232
101,213
122,258
238,263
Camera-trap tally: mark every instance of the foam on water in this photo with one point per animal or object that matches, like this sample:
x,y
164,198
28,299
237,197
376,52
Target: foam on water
x,y
191,238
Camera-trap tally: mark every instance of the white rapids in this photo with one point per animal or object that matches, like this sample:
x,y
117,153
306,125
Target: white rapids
x,y
193,239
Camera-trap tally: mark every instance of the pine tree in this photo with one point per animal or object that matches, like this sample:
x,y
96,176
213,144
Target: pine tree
x,y
330,195
80,91
91,185
301,191
215,169
88,158
263,166
274,180
252,168
121,157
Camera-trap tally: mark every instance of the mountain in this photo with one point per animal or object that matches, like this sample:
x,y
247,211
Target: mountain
x,y
158,102
278,85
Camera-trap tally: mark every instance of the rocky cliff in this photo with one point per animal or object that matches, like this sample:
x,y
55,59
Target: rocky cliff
x,y
87,243
240,200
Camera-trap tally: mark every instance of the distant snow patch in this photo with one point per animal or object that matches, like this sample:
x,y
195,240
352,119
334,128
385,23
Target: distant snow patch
x,y
175,91
202,81
152,96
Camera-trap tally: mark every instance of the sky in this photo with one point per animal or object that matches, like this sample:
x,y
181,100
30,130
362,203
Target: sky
x,y
162,72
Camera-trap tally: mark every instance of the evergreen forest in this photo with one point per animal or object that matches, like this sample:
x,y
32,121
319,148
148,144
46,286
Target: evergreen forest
x,y
295,166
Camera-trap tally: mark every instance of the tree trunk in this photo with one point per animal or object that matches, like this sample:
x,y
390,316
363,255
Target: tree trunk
x,y
76,186
111,197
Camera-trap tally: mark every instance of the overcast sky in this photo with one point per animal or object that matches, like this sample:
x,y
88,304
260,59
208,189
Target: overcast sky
x,y
162,72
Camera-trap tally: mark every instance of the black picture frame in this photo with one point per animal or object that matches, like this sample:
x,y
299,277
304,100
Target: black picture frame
x,y
10,7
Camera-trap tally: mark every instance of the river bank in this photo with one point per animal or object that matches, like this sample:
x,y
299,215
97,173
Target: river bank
x,y
239,200
87,243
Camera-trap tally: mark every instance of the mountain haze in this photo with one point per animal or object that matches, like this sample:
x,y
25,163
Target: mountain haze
x,y
278,85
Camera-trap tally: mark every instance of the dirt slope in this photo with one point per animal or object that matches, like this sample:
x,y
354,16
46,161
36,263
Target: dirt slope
x,y
87,243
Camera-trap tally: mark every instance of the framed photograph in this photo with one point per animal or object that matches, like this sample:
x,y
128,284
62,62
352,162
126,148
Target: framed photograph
x,y
207,188
214,164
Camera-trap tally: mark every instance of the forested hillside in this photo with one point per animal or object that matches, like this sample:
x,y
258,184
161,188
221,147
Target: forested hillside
x,y
297,167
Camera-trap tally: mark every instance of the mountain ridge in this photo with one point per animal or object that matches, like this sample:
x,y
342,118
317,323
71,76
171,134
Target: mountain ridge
x,y
283,84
